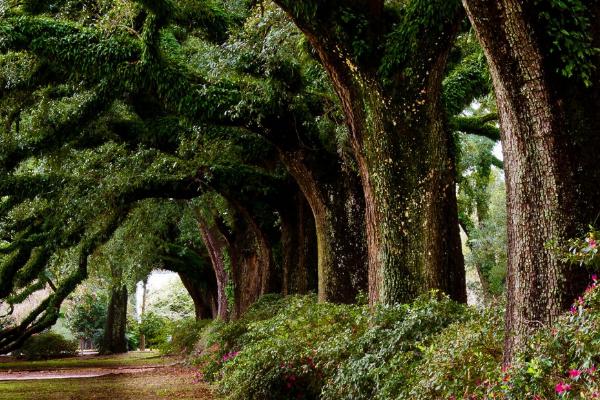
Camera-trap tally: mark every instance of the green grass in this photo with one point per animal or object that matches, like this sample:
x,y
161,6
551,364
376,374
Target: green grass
x,y
133,359
165,383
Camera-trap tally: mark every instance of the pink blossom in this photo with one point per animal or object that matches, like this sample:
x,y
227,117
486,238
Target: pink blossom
x,y
562,387
574,373
592,243
591,369
230,356
595,278
573,309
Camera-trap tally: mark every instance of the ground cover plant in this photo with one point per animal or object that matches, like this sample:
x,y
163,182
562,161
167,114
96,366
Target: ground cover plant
x,y
433,348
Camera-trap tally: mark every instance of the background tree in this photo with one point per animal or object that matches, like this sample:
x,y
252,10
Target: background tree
x,y
543,59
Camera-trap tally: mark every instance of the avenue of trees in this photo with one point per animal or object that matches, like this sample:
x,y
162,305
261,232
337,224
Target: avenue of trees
x,y
296,146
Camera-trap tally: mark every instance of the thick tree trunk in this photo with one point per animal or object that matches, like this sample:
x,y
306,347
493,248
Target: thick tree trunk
x,y
201,295
407,167
338,211
252,262
402,146
544,143
298,241
218,252
114,340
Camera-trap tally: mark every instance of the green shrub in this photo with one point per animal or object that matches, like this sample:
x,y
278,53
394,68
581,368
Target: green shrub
x,y
382,360
47,345
86,314
184,334
433,348
132,333
560,361
156,330
290,355
311,350
221,338
464,358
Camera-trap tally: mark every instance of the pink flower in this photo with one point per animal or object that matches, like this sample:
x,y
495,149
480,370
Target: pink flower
x,y
574,373
592,243
591,369
562,387
595,278
573,309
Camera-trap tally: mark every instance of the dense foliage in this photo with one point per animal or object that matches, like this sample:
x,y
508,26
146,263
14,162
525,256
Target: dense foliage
x,y
47,345
431,349
307,168
85,315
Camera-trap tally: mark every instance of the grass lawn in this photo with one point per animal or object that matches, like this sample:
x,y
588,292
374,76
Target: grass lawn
x,y
165,383
131,359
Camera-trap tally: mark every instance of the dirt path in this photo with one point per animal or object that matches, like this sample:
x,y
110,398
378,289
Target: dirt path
x,y
26,381
70,373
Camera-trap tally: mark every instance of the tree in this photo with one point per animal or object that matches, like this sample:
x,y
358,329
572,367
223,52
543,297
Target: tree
x,y
387,63
86,314
543,58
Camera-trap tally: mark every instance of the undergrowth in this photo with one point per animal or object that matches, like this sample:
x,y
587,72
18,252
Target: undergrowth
x,y
434,348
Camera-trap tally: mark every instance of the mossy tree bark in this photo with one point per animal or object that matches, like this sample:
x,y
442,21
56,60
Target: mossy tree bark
x,y
298,242
335,199
203,294
386,67
114,340
550,132
217,247
251,261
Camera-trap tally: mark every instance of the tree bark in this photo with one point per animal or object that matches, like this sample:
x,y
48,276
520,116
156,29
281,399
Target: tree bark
x,y
549,130
409,183
403,149
338,211
298,241
202,295
218,252
114,340
251,261
142,312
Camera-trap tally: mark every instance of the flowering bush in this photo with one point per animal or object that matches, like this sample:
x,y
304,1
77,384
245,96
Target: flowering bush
x,y
290,355
221,338
434,348
463,360
560,361
584,251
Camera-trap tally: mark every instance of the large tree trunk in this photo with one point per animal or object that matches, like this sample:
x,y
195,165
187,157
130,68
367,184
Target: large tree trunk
x,y
402,146
550,131
338,210
217,247
114,340
252,262
298,242
202,295
409,182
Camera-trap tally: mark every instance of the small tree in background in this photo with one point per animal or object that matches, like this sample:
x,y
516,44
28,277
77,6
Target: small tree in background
x,y
86,314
